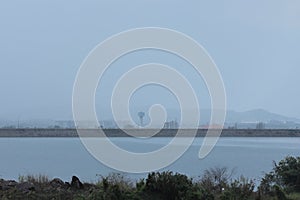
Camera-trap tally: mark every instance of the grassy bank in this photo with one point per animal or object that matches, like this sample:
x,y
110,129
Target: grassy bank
x,y
283,182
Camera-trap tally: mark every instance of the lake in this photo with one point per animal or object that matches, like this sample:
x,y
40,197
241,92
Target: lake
x,y
64,157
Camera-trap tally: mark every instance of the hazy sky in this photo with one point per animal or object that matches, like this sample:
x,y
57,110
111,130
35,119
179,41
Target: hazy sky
x,y
255,44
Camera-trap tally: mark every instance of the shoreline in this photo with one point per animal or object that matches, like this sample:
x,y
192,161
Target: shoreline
x,y
51,132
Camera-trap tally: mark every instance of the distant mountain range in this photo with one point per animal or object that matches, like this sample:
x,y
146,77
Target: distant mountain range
x,y
251,118
257,115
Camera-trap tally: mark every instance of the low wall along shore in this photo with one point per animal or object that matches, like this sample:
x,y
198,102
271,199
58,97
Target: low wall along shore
x,y
38,132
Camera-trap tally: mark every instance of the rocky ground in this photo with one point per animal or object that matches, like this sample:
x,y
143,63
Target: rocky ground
x,y
54,189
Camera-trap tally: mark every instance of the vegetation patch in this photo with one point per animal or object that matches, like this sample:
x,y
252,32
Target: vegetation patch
x,y
282,183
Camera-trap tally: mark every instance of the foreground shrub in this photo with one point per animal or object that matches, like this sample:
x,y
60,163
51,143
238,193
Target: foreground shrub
x,y
284,178
239,189
113,187
215,179
167,185
287,173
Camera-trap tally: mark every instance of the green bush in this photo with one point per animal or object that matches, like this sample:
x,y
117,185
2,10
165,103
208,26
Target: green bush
x,y
167,185
113,187
284,176
287,173
239,189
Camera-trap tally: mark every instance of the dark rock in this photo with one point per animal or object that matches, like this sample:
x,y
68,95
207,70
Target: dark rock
x,y
12,183
25,187
76,183
57,183
5,185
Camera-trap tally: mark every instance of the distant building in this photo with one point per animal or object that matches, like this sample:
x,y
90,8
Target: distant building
x,y
108,124
171,125
260,125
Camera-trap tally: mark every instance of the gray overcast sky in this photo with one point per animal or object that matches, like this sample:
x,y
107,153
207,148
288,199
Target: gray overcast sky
x,y
256,45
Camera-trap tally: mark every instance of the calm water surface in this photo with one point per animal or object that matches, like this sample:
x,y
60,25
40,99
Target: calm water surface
x,y
64,157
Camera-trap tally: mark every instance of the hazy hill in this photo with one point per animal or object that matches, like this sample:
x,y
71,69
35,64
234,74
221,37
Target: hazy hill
x,y
256,115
